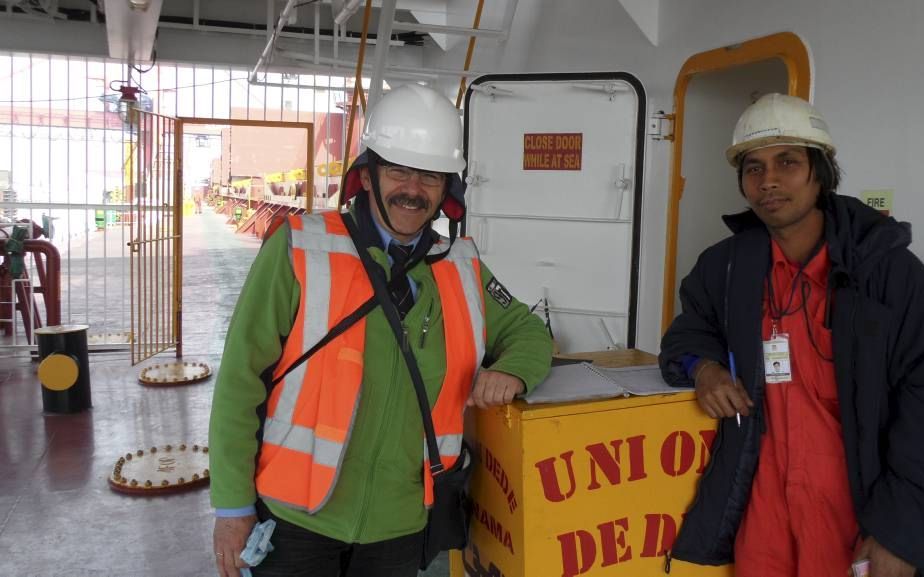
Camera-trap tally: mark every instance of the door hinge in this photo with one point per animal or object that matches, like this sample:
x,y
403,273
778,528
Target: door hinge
x,y
661,126
473,178
491,90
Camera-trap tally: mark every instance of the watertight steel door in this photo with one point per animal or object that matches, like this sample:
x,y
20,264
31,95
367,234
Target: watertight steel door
x,y
555,164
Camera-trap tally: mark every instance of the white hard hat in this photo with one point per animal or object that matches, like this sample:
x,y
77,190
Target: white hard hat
x,y
778,119
418,127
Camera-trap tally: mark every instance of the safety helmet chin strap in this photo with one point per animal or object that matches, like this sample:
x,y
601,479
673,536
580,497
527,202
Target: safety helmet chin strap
x,y
373,166
453,230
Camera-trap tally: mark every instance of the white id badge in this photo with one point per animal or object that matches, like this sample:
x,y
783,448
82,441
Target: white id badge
x,y
777,366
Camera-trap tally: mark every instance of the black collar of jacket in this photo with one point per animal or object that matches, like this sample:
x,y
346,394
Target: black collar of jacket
x,y
857,236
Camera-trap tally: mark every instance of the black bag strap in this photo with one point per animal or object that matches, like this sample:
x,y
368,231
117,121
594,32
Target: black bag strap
x,y
335,332
391,313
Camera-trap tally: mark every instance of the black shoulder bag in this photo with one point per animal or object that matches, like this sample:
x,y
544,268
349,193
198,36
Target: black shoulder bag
x,y
448,518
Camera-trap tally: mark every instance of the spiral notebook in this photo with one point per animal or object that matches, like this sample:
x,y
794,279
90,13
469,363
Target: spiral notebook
x,y
585,381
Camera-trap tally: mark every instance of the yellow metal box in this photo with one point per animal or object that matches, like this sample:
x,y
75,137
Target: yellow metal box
x,y
587,488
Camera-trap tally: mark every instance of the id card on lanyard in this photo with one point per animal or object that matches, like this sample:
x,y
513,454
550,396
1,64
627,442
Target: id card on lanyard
x,y
777,360
777,364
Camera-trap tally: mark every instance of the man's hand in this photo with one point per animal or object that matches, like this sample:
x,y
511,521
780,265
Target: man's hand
x,y
228,540
494,388
718,395
882,563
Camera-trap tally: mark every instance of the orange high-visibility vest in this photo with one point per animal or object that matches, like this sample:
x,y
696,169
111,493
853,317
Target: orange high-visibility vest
x,y
310,413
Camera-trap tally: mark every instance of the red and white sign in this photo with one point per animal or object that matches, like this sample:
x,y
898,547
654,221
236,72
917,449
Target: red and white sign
x,y
552,151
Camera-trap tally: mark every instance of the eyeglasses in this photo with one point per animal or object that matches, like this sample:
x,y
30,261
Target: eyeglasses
x,y
403,174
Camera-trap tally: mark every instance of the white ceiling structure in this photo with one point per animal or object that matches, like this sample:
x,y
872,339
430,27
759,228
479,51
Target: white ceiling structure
x,y
307,35
301,33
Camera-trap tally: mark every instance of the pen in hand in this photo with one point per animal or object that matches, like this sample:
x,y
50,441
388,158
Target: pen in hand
x,y
734,376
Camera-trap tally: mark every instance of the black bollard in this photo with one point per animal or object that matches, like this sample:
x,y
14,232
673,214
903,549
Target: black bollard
x,y
64,370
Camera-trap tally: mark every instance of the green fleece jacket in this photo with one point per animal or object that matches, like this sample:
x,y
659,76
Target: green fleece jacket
x,y
379,493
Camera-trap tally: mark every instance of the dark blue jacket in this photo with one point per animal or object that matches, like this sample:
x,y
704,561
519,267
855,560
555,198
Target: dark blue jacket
x,y
876,318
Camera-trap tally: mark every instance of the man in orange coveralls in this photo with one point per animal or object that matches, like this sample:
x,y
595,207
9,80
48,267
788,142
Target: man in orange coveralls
x,y
816,304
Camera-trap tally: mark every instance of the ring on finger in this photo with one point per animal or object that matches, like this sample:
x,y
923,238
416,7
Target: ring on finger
x,y
219,554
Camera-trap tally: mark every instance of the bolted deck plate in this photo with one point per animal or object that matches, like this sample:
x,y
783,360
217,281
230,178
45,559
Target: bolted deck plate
x,y
174,374
159,470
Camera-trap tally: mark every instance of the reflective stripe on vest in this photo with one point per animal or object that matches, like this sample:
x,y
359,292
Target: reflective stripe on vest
x,y
310,413
304,445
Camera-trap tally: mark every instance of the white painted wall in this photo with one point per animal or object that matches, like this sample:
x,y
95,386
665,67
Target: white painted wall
x,y
645,14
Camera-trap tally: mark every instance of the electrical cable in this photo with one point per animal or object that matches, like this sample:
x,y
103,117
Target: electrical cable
x,y
156,90
806,291
138,69
548,319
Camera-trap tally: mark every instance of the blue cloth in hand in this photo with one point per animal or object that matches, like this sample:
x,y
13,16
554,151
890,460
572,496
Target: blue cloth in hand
x,y
258,545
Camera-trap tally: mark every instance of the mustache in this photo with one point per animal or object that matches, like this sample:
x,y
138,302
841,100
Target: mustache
x,y
411,201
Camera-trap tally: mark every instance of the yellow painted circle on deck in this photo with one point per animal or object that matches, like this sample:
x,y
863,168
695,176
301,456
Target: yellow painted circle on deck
x,y
58,372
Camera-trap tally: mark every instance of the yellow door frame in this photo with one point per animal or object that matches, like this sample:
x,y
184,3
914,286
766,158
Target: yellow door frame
x,y
181,123
785,46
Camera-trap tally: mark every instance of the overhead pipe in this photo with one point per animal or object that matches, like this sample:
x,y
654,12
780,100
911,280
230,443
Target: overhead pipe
x,y
348,10
271,43
386,19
